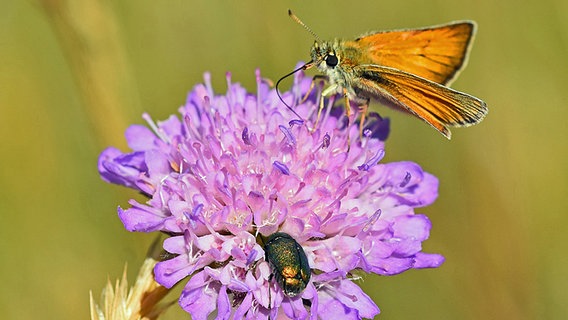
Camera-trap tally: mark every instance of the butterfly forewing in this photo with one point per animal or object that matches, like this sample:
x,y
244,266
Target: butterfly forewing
x,y
436,104
434,53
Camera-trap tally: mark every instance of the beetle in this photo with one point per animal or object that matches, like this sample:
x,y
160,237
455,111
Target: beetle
x,y
288,262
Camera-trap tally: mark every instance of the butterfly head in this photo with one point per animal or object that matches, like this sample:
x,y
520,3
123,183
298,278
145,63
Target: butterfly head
x,y
330,59
324,56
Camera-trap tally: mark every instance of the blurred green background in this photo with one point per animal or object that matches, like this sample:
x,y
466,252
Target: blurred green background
x,y
75,74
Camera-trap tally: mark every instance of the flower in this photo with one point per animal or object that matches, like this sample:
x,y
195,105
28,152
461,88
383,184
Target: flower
x,y
235,169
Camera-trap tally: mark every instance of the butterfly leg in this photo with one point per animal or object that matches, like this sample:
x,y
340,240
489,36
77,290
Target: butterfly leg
x,y
330,90
326,92
316,78
364,110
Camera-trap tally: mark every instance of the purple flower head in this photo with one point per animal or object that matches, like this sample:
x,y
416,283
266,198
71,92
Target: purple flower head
x,y
234,169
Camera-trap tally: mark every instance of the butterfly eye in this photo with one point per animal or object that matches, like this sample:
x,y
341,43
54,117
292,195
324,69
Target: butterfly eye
x,y
331,60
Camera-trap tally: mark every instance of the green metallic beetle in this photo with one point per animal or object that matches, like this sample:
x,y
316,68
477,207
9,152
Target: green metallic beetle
x,y
288,262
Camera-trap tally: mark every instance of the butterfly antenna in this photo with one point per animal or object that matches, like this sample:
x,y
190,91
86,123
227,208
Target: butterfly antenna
x,y
293,16
278,91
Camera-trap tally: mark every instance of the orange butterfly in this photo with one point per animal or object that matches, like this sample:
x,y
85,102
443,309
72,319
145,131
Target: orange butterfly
x,y
406,69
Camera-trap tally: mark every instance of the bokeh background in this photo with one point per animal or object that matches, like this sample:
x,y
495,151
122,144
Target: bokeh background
x,y
75,74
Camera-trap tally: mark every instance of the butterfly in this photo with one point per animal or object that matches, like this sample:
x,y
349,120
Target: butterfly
x,y
407,69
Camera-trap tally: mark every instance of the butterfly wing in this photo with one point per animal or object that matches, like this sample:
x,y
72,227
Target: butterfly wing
x,y
434,53
436,104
